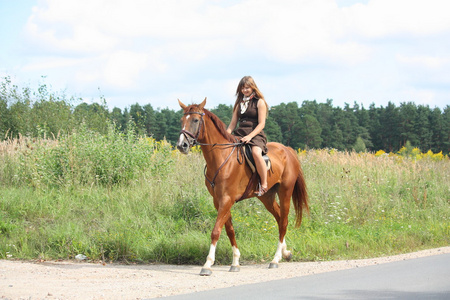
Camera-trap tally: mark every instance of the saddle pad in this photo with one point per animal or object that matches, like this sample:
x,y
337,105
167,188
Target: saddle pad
x,y
251,161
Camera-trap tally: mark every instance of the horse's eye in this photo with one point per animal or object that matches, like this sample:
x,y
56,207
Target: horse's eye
x,y
195,120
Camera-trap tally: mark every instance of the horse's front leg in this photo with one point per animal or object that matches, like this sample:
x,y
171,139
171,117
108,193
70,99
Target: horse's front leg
x,y
223,215
235,267
206,269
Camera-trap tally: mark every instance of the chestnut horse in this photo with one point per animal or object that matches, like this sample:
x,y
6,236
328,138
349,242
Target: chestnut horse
x,y
228,179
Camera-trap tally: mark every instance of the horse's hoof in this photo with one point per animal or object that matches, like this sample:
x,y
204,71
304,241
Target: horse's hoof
x,y
235,269
273,266
205,272
289,257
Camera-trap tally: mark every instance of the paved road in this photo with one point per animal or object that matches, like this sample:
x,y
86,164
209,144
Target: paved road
x,y
421,278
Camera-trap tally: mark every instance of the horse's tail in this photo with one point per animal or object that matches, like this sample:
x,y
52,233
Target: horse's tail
x,y
300,197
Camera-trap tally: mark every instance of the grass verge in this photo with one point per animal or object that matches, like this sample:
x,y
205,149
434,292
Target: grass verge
x,y
362,205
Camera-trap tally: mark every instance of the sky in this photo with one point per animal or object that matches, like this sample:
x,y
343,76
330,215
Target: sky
x,y
157,51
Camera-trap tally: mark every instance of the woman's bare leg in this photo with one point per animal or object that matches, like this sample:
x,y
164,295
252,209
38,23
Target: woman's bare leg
x,y
260,165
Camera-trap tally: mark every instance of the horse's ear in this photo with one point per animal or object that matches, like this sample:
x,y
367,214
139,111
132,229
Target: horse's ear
x,y
181,104
202,105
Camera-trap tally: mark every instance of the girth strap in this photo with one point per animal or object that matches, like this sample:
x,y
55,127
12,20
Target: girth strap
x,y
253,179
248,189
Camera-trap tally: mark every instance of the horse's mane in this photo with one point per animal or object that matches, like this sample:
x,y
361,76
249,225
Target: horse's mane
x,y
221,127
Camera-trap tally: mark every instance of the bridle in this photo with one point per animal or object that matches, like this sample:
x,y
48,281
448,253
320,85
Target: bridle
x,y
193,141
188,134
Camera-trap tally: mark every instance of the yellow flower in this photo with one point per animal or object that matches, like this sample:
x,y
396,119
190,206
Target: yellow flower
x,y
379,153
301,152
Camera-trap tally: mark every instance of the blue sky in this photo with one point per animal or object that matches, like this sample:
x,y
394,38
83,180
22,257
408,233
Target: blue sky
x,y
157,51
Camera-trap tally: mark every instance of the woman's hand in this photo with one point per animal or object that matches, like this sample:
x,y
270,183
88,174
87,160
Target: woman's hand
x,y
246,139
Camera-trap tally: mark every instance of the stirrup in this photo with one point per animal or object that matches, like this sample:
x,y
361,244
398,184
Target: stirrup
x,y
261,191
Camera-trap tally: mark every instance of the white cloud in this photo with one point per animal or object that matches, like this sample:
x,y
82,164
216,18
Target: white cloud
x,y
299,31
68,27
200,48
422,96
284,30
427,76
287,31
384,18
425,61
123,68
54,63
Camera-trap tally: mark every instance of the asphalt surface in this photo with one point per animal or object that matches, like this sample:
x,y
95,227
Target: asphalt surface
x,y
420,278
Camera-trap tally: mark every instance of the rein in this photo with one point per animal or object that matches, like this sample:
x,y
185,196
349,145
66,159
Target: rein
x,y
234,145
195,142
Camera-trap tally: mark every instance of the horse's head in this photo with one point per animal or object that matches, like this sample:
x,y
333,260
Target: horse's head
x,y
191,126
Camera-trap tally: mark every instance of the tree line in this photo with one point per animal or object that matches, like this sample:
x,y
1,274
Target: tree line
x,y
44,113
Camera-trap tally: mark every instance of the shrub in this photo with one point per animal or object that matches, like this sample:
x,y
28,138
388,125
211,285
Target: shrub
x,y
359,146
85,157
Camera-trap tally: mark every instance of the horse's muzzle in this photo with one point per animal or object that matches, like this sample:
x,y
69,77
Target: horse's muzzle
x,y
183,144
183,148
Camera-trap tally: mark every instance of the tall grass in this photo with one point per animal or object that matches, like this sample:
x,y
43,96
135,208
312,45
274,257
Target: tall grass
x,y
125,198
375,205
82,158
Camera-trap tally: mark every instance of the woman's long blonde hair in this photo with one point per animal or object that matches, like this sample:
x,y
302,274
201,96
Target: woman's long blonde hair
x,y
248,80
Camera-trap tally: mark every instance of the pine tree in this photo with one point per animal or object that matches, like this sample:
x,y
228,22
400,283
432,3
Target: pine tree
x,y
446,126
150,119
224,112
273,130
325,119
422,128
408,116
438,131
363,125
288,119
389,121
118,119
310,133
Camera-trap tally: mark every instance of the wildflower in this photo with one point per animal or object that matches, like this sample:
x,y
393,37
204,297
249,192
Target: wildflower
x,y
380,153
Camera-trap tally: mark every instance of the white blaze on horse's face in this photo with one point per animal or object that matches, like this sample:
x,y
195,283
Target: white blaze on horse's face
x,y
184,125
182,144
191,124
190,131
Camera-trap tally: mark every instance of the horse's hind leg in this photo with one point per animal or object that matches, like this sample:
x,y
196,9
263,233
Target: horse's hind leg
x,y
281,213
281,252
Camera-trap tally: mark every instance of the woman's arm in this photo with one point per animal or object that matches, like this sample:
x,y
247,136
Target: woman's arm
x,y
234,120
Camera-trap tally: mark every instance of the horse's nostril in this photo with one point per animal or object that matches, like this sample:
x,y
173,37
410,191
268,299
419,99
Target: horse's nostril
x,y
183,147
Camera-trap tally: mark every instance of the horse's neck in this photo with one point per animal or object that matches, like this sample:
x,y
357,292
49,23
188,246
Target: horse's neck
x,y
217,148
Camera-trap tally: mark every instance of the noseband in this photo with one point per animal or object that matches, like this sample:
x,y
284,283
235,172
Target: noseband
x,y
190,134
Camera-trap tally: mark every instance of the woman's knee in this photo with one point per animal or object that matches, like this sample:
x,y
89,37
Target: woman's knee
x,y
256,151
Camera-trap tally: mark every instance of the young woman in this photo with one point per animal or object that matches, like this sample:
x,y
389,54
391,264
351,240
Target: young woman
x,y
250,109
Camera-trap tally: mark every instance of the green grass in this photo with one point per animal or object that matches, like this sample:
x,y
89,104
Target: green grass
x,y
122,198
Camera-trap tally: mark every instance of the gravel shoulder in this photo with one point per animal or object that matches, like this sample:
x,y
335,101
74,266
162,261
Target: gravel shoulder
x,y
73,280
